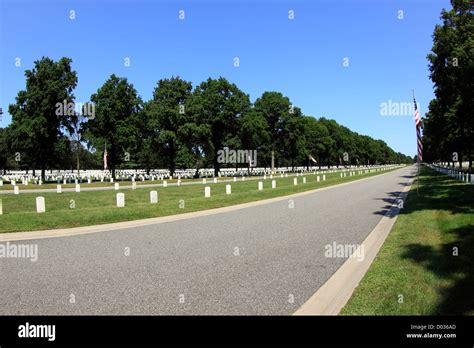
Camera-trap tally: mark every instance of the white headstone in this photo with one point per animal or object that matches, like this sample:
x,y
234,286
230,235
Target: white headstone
x,y
243,178
304,180
111,179
228,189
178,182
153,197
40,206
16,190
207,191
1,182
324,177
59,189
117,186
235,179
274,184
203,180
13,182
317,178
78,188
260,186
165,183
134,185
264,176
89,180
295,181
120,200
215,180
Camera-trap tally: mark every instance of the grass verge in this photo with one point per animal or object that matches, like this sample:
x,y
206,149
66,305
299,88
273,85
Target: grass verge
x,y
426,265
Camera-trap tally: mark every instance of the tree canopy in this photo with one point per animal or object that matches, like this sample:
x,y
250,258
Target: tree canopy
x,y
180,127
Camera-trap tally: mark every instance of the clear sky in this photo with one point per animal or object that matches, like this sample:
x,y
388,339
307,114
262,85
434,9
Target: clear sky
x,y
302,57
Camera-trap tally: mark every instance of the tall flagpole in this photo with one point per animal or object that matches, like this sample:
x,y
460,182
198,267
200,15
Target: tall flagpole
x,y
417,152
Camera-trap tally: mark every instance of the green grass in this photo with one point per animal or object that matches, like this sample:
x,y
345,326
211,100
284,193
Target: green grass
x,y
99,207
417,261
31,186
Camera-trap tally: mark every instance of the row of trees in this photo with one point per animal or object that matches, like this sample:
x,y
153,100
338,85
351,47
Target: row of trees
x,y
449,125
180,127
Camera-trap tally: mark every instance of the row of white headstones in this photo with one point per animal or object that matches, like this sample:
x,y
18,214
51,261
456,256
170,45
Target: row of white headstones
x,y
120,197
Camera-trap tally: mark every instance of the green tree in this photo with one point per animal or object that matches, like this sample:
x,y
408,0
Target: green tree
x,y
448,126
117,121
166,114
218,105
276,109
37,115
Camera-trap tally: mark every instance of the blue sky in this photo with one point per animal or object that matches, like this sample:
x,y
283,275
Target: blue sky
x,y
302,58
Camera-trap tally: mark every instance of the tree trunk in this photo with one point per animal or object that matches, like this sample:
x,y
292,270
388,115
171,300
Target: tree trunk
x,y
77,164
273,159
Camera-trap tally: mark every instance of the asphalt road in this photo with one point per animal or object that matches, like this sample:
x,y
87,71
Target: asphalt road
x,y
267,259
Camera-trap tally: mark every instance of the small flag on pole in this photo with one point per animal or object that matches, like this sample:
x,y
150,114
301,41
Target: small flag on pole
x,y
105,157
418,132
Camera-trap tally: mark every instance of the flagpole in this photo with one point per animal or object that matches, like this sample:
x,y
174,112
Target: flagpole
x,y
417,156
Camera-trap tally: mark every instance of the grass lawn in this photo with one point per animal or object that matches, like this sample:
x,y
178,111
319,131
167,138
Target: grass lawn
x,y
71,209
417,272
84,184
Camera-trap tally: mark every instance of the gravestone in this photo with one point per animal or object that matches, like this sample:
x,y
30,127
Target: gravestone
x,y
16,190
228,189
153,197
40,206
274,184
260,186
120,200
207,191
59,189
78,188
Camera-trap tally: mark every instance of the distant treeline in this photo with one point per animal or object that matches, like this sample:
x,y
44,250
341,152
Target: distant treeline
x,y
180,127
449,124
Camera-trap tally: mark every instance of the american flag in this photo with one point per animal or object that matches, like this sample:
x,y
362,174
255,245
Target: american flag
x,y
105,157
418,132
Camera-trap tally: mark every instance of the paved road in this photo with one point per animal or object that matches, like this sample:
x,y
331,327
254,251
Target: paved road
x,y
281,256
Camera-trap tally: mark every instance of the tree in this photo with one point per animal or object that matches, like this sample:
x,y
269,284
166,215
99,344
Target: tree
x,y
254,135
37,117
276,109
448,127
166,114
3,149
218,105
117,121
